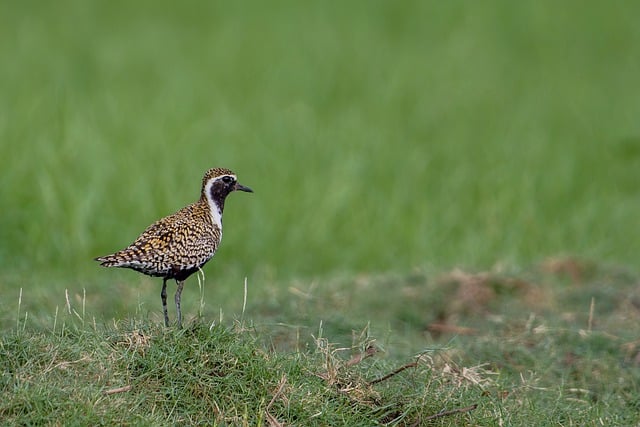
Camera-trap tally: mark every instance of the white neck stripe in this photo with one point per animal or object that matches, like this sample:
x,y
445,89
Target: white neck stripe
x,y
216,215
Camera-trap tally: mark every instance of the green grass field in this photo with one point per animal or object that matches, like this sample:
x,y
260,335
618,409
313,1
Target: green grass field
x,y
400,154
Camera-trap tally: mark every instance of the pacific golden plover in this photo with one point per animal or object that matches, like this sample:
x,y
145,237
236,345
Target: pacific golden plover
x,y
178,245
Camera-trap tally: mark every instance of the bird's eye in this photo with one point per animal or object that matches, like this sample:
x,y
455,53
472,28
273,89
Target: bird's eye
x,y
227,179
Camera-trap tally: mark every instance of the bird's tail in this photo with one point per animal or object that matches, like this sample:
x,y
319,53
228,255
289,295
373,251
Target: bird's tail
x,y
109,260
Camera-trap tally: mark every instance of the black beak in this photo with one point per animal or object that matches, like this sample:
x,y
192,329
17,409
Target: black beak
x,y
240,187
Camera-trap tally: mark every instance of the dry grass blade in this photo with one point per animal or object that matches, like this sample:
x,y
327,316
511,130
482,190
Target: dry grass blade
x,y
391,374
370,351
273,422
117,390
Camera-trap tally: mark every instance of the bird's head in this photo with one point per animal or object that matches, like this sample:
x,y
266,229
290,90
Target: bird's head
x,y
218,183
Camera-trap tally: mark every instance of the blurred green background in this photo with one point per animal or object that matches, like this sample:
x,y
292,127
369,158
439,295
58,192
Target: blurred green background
x,y
378,136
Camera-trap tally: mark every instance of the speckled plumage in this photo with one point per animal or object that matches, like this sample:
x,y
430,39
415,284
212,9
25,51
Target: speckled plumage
x,y
176,246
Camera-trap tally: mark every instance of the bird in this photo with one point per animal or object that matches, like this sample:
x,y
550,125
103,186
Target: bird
x,y
178,245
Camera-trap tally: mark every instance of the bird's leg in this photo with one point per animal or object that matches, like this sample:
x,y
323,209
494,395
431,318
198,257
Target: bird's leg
x,y
178,294
163,295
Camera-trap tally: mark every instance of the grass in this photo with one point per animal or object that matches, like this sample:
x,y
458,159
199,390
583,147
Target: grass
x,y
378,138
430,175
142,375
554,345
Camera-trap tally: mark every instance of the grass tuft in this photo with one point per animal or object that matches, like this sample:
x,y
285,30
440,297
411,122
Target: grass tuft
x,y
202,374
